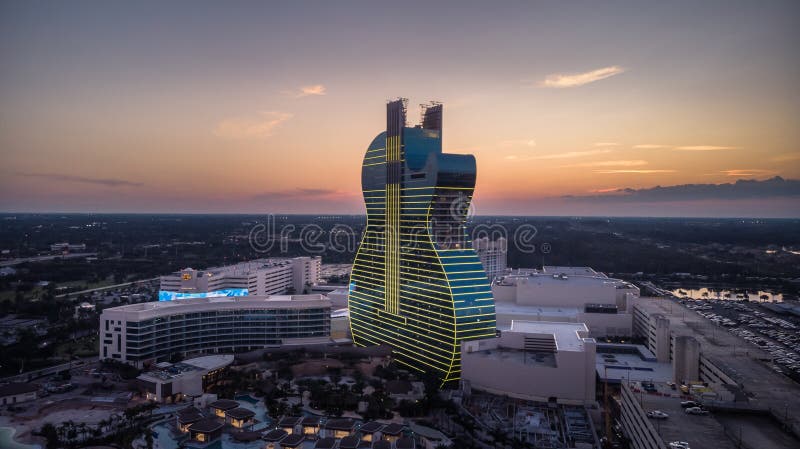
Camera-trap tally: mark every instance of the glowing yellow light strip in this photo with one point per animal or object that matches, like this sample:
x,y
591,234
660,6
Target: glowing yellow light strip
x,y
458,304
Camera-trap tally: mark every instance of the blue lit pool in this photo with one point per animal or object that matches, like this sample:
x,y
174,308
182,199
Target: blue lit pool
x,y
7,440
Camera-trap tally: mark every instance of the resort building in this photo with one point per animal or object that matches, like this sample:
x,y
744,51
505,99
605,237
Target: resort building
x,y
290,424
292,441
186,417
493,255
338,428
429,438
259,277
309,426
417,284
273,438
143,333
240,417
392,432
370,431
221,407
206,430
172,382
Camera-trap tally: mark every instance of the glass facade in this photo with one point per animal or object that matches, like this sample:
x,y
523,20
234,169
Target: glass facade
x,y
234,330
417,285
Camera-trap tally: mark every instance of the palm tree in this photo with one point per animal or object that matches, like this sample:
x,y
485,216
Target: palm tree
x,y
71,431
102,425
82,430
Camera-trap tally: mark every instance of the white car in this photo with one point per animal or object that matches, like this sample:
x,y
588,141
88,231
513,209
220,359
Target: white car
x,y
657,414
696,411
679,445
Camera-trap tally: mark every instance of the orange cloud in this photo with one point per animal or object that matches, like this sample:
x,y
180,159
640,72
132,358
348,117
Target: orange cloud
x,y
747,172
623,163
566,155
308,91
562,80
705,148
259,126
649,146
641,172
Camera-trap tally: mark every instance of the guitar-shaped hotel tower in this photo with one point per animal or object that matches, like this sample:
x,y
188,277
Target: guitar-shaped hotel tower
x,y
417,285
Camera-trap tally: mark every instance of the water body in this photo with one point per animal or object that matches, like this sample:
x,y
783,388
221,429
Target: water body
x,y
723,294
7,440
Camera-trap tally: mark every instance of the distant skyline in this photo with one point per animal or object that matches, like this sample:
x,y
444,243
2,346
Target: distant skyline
x,y
255,107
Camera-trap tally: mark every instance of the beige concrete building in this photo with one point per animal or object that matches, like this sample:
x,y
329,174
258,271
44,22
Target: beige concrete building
x,y
172,382
566,294
637,426
732,367
533,361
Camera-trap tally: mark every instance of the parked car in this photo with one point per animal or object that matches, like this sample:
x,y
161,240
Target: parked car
x,y
657,414
685,404
696,411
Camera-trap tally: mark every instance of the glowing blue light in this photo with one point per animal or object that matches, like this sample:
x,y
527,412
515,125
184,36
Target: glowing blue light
x,y
164,295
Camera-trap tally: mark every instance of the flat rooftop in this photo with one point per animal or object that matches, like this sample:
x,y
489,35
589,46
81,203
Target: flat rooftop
x,y
737,357
502,307
173,371
617,363
241,268
156,308
210,362
558,269
501,354
565,334
560,279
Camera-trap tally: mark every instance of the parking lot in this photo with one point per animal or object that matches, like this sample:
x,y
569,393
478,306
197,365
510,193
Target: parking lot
x,y
700,431
776,334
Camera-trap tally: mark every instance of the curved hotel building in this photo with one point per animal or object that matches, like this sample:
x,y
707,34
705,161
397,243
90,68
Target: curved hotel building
x,y
417,285
141,333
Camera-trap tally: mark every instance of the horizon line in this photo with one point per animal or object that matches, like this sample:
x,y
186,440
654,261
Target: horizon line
x,y
248,214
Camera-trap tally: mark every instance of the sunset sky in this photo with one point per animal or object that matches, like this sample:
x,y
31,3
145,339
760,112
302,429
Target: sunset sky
x,y
261,107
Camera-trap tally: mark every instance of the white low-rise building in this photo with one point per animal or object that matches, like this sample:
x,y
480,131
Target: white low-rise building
x,y
16,393
566,294
148,332
533,361
257,277
171,382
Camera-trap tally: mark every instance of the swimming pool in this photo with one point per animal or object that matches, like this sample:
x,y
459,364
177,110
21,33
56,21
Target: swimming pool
x,y
247,398
7,440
